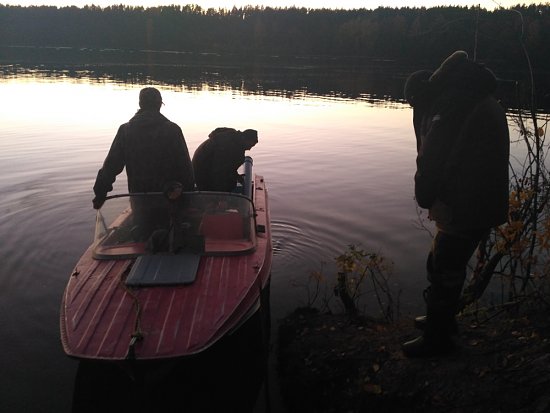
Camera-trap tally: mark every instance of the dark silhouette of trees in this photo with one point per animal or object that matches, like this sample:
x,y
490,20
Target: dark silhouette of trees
x,y
406,35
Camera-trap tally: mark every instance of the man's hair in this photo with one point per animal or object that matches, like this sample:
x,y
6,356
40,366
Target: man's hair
x,y
150,98
250,135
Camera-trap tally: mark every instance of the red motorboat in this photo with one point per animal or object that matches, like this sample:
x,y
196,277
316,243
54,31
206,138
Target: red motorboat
x,y
169,276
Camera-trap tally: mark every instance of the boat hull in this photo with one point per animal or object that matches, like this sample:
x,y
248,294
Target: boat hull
x,y
233,370
102,318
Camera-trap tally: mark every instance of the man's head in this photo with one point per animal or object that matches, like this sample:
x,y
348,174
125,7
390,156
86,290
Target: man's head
x,y
250,138
454,62
417,87
458,72
150,99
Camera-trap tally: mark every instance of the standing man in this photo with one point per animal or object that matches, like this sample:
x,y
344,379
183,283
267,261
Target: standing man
x,y
217,159
152,149
461,178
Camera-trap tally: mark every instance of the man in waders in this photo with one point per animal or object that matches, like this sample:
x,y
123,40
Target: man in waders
x,y
461,178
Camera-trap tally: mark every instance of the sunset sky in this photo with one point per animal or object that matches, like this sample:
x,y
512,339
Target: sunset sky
x,y
332,4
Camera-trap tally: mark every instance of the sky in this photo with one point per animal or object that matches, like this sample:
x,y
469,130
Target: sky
x,y
330,4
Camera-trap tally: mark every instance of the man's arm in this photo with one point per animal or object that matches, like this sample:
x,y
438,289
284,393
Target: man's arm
x,y
185,167
430,163
112,166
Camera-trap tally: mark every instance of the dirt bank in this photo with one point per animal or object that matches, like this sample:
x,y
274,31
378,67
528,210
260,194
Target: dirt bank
x,y
331,363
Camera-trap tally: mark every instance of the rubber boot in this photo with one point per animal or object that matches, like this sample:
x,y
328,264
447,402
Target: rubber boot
x,y
428,346
436,339
421,320
433,342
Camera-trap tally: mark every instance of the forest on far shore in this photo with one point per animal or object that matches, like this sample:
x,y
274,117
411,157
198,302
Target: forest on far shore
x,y
500,38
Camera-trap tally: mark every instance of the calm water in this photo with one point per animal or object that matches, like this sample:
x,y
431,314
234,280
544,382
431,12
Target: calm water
x,y
338,171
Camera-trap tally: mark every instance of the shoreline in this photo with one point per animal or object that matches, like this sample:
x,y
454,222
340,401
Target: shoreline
x,y
334,363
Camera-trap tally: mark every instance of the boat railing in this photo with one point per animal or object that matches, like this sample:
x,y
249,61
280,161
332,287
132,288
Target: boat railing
x,y
210,223
248,181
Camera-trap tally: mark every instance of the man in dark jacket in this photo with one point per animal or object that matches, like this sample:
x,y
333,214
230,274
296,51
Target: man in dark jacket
x,y
462,178
216,160
152,149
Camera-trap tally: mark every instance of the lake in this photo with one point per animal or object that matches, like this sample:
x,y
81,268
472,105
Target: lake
x,y
338,166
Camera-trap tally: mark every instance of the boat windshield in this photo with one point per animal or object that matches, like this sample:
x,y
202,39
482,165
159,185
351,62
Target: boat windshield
x,y
212,223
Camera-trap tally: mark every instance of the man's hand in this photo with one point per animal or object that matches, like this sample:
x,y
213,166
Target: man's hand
x,y
98,201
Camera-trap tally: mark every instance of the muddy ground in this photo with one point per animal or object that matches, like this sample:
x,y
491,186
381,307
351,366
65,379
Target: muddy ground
x,y
333,363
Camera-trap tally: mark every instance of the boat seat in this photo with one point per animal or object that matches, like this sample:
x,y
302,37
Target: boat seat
x,y
226,225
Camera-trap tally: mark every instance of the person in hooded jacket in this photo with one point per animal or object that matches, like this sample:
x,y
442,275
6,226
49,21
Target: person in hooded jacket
x,y
217,160
153,150
461,178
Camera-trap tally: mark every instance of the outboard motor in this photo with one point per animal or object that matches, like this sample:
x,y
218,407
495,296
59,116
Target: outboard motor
x,y
247,187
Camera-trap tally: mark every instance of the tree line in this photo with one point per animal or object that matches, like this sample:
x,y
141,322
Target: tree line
x,y
403,35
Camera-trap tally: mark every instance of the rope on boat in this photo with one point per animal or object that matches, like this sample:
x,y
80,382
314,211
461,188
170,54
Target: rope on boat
x,y
137,334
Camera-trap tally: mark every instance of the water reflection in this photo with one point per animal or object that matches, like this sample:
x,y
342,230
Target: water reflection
x,y
290,77
294,77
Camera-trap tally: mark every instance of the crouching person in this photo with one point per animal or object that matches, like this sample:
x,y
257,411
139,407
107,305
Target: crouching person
x,y
217,159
